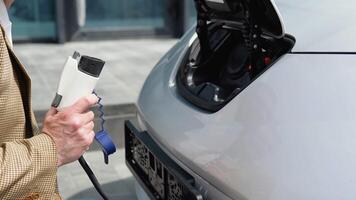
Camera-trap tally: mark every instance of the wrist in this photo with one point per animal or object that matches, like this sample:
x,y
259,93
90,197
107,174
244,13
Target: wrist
x,y
56,147
59,160
45,148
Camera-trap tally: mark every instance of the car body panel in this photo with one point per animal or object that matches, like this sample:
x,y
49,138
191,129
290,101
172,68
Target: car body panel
x,y
289,135
320,26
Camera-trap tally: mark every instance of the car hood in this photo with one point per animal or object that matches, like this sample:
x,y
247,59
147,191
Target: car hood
x,y
320,26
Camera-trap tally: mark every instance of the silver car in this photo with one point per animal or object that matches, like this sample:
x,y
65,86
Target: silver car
x,y
239,109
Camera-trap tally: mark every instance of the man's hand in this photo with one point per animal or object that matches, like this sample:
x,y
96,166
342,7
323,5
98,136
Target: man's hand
x,y
71,129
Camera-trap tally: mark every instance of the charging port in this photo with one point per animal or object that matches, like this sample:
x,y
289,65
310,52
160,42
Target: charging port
x,y
234,46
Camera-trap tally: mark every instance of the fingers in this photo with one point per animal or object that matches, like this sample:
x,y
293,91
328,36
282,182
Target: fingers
x,y
90,139
85,103
87,136
87,117
52,111
79,121
89,126
91,136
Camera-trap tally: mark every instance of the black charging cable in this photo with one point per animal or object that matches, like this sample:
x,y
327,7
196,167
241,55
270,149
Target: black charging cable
x,y
92,177
83,162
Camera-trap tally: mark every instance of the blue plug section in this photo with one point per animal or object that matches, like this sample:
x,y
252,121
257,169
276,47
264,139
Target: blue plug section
x,y
106,143
102,137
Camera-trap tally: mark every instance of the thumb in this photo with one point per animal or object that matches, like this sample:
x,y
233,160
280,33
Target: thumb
x,y
52,111
85,103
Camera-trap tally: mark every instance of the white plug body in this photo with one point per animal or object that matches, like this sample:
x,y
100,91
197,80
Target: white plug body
x,y
74,84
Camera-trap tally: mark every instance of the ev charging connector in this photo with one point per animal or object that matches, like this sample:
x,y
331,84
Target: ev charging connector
x,y
79,77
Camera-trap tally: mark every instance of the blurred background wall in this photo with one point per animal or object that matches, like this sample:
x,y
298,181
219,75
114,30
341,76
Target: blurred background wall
x,y
67,20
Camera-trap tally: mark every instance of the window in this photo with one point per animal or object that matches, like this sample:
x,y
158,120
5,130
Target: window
x,y
33,19
125,13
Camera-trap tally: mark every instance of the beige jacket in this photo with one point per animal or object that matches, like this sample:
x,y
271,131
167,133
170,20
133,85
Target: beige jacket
x,y
27,157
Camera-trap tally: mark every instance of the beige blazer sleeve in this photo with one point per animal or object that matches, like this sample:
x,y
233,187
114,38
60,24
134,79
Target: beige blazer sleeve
x,y
28,167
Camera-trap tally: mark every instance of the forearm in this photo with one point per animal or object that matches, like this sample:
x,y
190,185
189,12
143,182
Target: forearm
x,y
28,167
